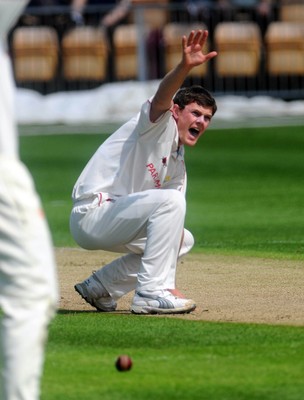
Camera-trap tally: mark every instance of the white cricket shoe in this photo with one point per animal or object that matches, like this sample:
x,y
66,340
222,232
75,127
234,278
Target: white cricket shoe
x,y
160,302
94,293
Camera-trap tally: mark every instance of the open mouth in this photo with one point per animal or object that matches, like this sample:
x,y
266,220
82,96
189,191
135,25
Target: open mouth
x,y
194,132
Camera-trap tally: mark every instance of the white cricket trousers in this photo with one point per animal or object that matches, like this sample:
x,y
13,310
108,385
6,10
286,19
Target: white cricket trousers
x,y
28,283
149,226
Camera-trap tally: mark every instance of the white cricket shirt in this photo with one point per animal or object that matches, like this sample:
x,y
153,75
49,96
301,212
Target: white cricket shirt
x,y
140,155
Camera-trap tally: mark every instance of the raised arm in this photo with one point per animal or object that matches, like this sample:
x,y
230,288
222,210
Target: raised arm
x,y
192,56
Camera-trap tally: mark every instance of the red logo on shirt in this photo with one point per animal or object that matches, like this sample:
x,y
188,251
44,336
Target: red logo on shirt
x,y
154,175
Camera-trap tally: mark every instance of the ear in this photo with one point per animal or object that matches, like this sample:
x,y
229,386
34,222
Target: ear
x,y
175,111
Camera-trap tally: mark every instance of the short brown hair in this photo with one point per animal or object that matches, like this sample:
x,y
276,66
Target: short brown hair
x,y
195,94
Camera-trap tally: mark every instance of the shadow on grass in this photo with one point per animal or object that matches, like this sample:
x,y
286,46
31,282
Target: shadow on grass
x,y
64,311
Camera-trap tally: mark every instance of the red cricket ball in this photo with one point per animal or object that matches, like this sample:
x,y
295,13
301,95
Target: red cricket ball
x,y
123,363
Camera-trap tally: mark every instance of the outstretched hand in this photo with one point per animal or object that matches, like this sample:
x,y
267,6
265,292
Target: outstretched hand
x,y
193,49
192,56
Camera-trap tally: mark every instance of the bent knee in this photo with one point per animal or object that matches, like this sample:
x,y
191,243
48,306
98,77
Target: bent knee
x,y
187,243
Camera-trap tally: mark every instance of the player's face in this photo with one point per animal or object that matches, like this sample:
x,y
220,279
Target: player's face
x,y
192,121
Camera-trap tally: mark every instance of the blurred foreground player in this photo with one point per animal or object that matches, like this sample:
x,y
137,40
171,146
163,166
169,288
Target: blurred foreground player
x,y
28,284
131,195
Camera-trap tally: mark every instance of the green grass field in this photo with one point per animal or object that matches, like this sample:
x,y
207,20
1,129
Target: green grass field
x,y
245,196
172,359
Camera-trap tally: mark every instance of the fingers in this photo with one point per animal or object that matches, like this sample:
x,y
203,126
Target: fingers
x,y
210,55
197,37
184,42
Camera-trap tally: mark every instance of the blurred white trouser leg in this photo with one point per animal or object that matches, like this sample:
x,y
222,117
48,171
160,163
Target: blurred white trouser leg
x,y
28,283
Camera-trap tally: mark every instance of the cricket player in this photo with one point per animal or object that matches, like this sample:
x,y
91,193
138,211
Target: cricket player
x,y
28,283
130,197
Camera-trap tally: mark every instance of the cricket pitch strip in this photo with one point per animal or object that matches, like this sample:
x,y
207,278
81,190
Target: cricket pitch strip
x,y
225,288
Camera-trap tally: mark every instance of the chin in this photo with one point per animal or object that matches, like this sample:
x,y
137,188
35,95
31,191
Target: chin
x,y
191,142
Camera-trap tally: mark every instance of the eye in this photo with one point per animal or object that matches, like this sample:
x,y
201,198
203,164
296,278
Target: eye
x,y
196,114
